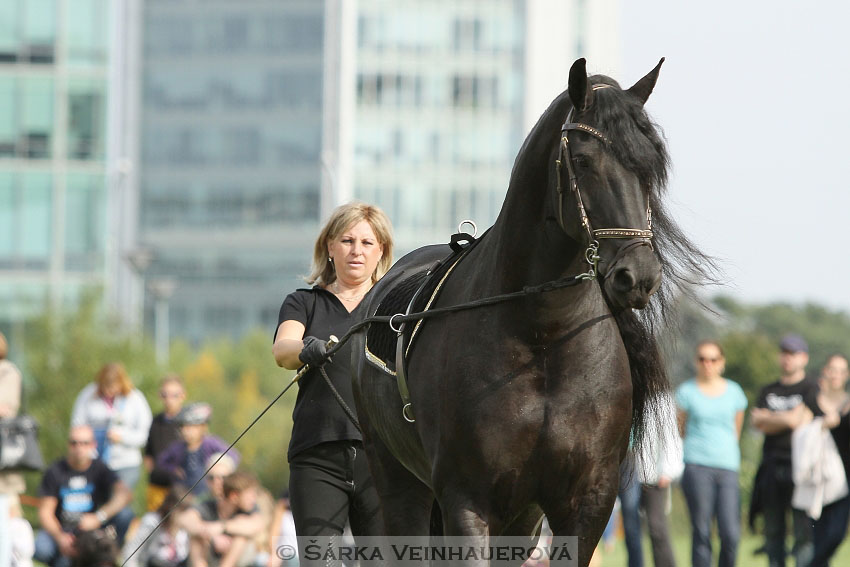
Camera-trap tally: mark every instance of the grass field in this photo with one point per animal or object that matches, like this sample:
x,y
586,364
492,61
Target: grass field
x,y
618,557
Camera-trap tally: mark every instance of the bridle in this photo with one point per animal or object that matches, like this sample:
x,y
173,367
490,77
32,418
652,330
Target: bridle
x,y
638,236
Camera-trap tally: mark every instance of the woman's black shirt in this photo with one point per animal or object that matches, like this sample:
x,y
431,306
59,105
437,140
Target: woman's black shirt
x,y
318,417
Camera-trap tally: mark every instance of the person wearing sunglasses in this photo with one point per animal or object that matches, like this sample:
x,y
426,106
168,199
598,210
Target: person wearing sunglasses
x,y
711,415
78,493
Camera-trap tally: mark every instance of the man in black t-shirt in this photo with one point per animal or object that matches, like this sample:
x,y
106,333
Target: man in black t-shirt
x,y
80,493
775,414
164,431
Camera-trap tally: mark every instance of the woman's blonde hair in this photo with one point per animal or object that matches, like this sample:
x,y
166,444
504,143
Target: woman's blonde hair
x,y
323,272
111,373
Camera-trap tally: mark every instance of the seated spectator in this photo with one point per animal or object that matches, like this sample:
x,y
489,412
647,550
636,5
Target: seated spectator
x,y
186,460
169,544
78,492
223,529
282,533
164,431
120,417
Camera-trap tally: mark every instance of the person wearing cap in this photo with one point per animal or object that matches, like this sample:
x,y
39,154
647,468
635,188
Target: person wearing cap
x,y
185,460
778,409
329,481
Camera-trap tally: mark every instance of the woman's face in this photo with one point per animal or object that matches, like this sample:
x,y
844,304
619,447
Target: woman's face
x,y
111,388
709,361
355,253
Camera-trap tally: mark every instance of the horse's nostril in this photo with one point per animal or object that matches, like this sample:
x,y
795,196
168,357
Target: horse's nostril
x,y
624,280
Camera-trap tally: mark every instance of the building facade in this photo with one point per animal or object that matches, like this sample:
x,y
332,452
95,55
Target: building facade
x,y
446,92
53,129
231,167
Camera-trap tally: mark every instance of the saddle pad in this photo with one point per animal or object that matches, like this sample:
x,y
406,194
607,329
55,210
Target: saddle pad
x,y
381,340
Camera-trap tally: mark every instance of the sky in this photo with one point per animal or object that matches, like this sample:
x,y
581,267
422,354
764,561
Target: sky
x,y
754,100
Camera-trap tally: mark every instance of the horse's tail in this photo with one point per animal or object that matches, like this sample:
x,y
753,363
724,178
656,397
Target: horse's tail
x,y
650,384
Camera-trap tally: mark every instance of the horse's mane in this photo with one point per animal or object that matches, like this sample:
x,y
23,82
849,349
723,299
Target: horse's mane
x,y
639,145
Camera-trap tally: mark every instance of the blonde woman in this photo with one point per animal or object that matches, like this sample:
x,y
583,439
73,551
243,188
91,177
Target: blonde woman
x,y
120,417
329,477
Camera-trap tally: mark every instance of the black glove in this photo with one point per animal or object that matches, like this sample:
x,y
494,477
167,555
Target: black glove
x,y
314,352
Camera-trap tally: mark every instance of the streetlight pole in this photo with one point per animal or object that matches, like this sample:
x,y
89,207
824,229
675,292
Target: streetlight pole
x,y
162,289
140,260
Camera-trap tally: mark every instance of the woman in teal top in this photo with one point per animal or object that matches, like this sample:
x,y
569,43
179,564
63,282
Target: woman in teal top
x,y
711,414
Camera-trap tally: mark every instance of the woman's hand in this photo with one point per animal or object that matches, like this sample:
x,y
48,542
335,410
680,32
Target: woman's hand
x,y
315,351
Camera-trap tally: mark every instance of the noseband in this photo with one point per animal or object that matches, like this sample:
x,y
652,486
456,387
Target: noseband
x,y
638,236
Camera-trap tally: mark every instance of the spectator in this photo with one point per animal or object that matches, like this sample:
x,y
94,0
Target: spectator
x,y
831,527
223,528
78,492
776,411
282,535
11,484
164,431
169,544
711,415
120,417
657,465
185,460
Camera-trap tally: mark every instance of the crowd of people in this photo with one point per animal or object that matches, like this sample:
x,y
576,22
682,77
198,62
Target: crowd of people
x,y
224,518
204,510
803,473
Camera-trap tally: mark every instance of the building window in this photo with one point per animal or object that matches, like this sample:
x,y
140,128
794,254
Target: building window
x,y
86,119
88,25
25,219
85,221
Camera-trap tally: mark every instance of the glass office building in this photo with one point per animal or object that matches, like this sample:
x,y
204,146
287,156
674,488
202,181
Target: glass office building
x,y
53,97
231,127
446,92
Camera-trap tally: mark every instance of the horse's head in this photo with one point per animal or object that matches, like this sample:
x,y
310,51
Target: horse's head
x,y
610,159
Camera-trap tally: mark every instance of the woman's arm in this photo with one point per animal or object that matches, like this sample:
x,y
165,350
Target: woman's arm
x,y
288,344
739,423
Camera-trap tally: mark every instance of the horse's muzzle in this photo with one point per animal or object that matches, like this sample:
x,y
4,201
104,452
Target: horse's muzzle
x,y
633,278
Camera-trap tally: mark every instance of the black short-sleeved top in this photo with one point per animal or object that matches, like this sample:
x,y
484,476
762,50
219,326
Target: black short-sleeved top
x,y
163,432
781,397
78,492
318,417
841,436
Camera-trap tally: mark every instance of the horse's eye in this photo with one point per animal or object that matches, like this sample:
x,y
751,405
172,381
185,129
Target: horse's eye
x,y
581,161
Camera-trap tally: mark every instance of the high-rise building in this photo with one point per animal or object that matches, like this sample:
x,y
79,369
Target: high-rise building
x,y
231,128
446,92
54,67
232,150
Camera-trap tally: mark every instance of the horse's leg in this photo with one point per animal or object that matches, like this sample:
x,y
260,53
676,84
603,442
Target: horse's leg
x,y
405,501
585,509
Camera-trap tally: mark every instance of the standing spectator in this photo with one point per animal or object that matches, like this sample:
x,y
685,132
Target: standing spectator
x,y
78,492
711,415
775,415
164,431
223,528
645,484
120,417
831,527
186,460
11,484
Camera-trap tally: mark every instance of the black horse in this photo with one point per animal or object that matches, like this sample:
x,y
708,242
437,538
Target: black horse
x,y
525,407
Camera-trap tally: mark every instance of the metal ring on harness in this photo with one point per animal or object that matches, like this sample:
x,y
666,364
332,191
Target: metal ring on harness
x,y
470,223
391,322
405,410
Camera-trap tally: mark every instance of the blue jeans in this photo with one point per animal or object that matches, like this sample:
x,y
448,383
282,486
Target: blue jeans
x,y
829,531
713,493
630,489
47,551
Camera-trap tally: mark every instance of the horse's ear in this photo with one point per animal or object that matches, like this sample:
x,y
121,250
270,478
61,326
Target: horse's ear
x,y
643,88
580,93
